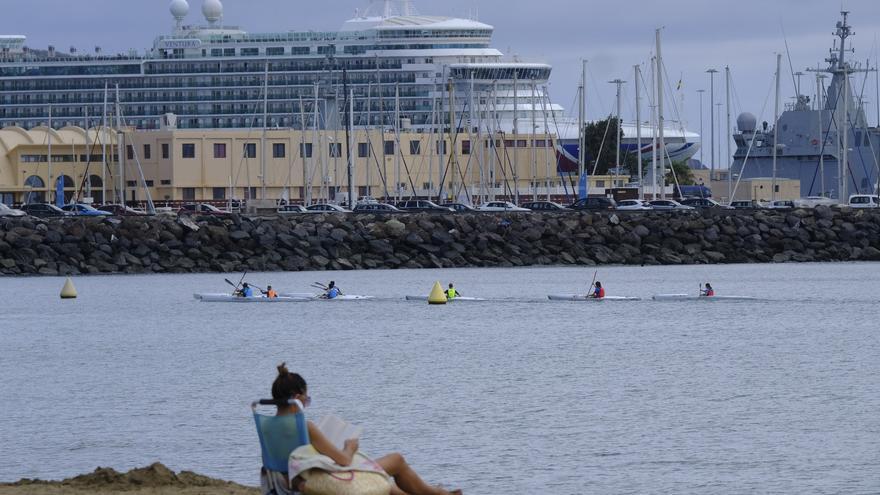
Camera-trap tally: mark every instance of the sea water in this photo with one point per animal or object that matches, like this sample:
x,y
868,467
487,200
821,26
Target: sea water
x,y
514,395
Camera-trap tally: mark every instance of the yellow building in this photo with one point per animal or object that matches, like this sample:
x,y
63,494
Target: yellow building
x,y
219,165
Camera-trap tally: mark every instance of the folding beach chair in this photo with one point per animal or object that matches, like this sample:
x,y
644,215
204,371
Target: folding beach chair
x,y
279,436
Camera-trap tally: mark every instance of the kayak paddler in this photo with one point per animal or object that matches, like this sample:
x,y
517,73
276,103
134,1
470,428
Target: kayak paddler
x,y
451,293
270,292
708,291
245,291
598,291
332,291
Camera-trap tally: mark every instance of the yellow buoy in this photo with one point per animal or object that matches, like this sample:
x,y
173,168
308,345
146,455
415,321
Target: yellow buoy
x,y
437,296
68,291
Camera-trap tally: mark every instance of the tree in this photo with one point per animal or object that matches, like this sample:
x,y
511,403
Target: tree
x,y
683,173
596,133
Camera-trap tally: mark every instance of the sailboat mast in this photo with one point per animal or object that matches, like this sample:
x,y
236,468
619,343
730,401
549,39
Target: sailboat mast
x,y
534,149
51,183
547,141
582,112
844,163
729,134
662,143
515,138
120,146
307,186
104,148
638,76
397,183
776,126
263,135
654,179
349,144
821,109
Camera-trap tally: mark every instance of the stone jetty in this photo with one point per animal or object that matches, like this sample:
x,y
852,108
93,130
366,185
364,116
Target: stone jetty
x,y
30,246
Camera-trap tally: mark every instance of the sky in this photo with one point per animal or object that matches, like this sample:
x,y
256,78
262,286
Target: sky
x,y
613,37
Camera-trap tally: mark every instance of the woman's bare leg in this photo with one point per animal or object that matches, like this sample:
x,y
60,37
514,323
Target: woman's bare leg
x,y
406,478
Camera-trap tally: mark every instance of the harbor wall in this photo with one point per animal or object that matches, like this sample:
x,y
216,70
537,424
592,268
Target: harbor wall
x,y
30,246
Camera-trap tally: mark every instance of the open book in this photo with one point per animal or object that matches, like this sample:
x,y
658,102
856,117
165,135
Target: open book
x,y
338,431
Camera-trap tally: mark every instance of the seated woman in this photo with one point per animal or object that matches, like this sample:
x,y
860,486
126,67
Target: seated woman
x,y
292,386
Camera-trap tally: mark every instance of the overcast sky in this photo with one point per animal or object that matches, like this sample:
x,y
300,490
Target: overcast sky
x,y
612,36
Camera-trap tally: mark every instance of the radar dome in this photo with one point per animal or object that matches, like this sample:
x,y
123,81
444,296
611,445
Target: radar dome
x,y
746,122
212,10
179,9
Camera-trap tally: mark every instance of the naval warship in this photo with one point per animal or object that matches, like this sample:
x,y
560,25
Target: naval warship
x,y
813,132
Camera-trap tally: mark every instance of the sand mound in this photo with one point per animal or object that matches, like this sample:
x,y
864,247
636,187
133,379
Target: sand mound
x,y
152,480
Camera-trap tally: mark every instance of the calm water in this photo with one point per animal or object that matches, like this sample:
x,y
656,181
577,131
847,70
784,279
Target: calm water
x,y
516,396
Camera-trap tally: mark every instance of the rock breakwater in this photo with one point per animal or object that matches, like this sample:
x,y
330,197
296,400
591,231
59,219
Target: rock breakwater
x,y
30,246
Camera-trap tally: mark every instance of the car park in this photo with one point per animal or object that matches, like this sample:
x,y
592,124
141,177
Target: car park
x,y
497,206
378,208
633,205
122,211
704,203
83,210
668,204
543,206
6,211
44,210
422,205
745,205
594,203
460,207
864,201
326,208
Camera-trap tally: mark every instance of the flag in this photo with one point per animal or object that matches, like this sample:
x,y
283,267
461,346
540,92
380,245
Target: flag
x,y
59,192
678,87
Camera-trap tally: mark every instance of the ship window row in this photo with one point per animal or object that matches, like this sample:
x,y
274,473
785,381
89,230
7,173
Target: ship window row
x,y
492,73
435,33
76,70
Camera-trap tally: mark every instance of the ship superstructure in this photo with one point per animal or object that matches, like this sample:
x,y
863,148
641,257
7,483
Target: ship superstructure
x,y
813,134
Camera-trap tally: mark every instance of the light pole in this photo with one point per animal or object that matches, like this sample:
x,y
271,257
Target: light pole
x,y
618,82
712,73
701,91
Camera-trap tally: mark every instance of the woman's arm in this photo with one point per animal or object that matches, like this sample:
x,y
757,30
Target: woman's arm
x,y
324,446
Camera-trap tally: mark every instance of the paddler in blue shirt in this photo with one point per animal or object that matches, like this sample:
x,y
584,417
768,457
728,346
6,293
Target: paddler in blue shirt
x,y
245,291
332,291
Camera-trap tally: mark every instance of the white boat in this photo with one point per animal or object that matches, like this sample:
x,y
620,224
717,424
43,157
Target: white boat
x,y
455,299
691,297
320,297
238,299
584,297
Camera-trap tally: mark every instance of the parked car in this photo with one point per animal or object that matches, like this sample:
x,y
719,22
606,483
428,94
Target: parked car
x,y
814,201
864,201
202,209
381,208
668,204
745,205
423,205
6,211
122,211
543,206
292,210
460,207
781,204
83,210
633,205
44,210
502,206
326,208
594,203
704,203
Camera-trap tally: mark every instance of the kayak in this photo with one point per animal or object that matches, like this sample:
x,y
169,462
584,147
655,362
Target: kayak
x,y
237,299
690,297
455,299
320,297
582,297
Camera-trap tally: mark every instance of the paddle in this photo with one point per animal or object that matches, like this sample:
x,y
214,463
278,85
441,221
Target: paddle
x,y
592,284
235,291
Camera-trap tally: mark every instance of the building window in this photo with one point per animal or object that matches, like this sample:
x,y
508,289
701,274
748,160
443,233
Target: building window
x,y
335,150
219,193
188,150
165,151
129,151
279,150
149,183
441,147
131,183
274,51
465,147
415,147
250,150
363,150
219,150
165,182
148,153
250,52
305,150
389,147
600,183
189,193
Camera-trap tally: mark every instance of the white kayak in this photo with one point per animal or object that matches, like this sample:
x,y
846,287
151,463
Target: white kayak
x,y
320,297
583,297
455,299
238,299
691,297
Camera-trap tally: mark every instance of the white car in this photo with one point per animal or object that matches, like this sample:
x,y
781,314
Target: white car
x,y
6,211
292,210
668,204
326,208
864,201
781,204
502,206
633,205
814,201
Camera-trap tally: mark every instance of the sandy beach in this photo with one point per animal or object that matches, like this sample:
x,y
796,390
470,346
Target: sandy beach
x,y
152,480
